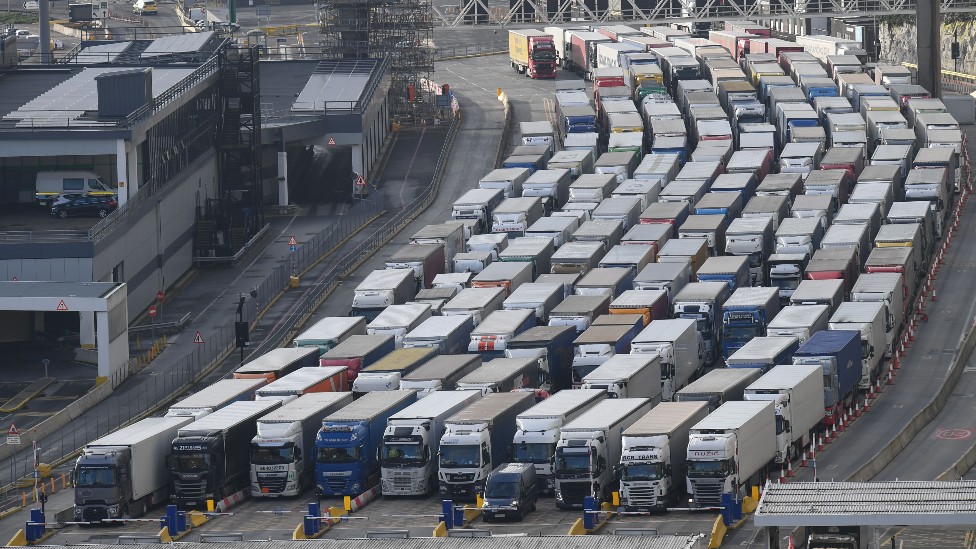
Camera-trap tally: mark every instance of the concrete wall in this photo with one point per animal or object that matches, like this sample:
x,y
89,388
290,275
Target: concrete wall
x,y
57,269
156,247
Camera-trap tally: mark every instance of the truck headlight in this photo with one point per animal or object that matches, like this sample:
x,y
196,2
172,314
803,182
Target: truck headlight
x,y
77,512
113,511
355,488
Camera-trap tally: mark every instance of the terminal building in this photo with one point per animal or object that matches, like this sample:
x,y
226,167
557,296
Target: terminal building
x,y
174,127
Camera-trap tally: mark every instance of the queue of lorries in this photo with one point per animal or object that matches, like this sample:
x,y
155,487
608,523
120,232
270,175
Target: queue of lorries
x,y
568,315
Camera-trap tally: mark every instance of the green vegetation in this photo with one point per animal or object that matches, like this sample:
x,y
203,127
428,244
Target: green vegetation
x,y
17,18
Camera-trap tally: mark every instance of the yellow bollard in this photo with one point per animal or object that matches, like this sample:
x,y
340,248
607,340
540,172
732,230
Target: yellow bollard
x,y
615,496
347,503
52,485
23,496
499,92
210,506
43,487
64,480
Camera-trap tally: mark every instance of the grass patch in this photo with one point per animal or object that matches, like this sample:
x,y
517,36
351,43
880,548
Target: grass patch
x,y
17,18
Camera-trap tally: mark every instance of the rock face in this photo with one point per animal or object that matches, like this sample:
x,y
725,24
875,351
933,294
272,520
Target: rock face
x,y
897,37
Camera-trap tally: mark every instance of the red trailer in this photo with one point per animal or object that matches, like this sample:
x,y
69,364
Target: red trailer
x,y
834,264
748,26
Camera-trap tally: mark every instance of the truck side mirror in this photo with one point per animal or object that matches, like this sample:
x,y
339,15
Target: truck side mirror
x,y
667,470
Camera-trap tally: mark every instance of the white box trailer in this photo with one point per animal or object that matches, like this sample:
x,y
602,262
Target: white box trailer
x,y
887,288
397,320
799,321
680,348
216,396
797,393
628,376
739,438
139,451
868,318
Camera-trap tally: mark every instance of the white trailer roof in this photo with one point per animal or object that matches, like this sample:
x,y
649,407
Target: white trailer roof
x,y
664,330
793,316
504,320
436,404
142,430
370,404
607,412
563,402
732,414
784,377
498,369
384,279
220,392
306,406
231,415
856,311
761,348
664,417
621,366
439,325
718,380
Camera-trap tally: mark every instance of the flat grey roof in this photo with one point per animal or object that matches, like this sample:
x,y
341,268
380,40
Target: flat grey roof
x,y
19,87
282,81
335,81
102,53
68,102
903,503
57,289
178,43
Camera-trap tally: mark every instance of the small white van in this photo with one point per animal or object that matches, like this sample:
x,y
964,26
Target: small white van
x,y
51,184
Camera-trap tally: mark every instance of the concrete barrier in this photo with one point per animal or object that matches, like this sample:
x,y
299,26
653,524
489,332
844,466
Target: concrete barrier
x,y
506,128
885,455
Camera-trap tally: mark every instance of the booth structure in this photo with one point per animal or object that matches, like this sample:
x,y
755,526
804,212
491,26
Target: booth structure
x,y
102,310
849,514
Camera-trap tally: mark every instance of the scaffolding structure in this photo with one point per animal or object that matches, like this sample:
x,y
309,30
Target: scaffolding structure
x,y
398,30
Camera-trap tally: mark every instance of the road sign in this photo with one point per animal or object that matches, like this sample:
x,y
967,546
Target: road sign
x,y
263,11
152,311
13,435
198,338
293,241
31,5
62,306
331,141
14,279
160,295
292,248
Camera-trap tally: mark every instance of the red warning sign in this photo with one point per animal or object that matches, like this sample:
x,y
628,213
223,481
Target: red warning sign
x,y
14,279
62,306
331,141
152,311
12,431
293,241
198,338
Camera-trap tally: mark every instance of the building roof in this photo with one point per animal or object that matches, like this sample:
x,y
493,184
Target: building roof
x,y
904,503
334,82
19,87
57,289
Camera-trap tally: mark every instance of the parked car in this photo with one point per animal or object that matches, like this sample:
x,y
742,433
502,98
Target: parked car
x,y
83,206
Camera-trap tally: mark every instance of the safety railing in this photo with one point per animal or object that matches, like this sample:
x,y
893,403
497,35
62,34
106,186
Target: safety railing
x,y
953,81
471,50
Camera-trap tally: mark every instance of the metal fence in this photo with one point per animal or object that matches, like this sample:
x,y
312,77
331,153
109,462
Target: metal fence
x,y
142,394
470,50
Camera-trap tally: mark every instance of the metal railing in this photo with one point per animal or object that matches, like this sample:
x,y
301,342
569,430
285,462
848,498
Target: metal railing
x,y
46,235
470,50
953,81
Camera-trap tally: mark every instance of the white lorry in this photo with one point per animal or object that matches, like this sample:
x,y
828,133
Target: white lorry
x,y
729,450
797,393
411,442
653,461
283,451
799,321
398,320
886,288
216,396
680,347
628,376
382,288
124,473
476,440
538,430
869,319
589,448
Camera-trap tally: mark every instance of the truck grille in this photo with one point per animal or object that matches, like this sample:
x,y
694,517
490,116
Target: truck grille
x,y
641,496
574,492
707,493
272,484
191,490
94,514
402,481
335,485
